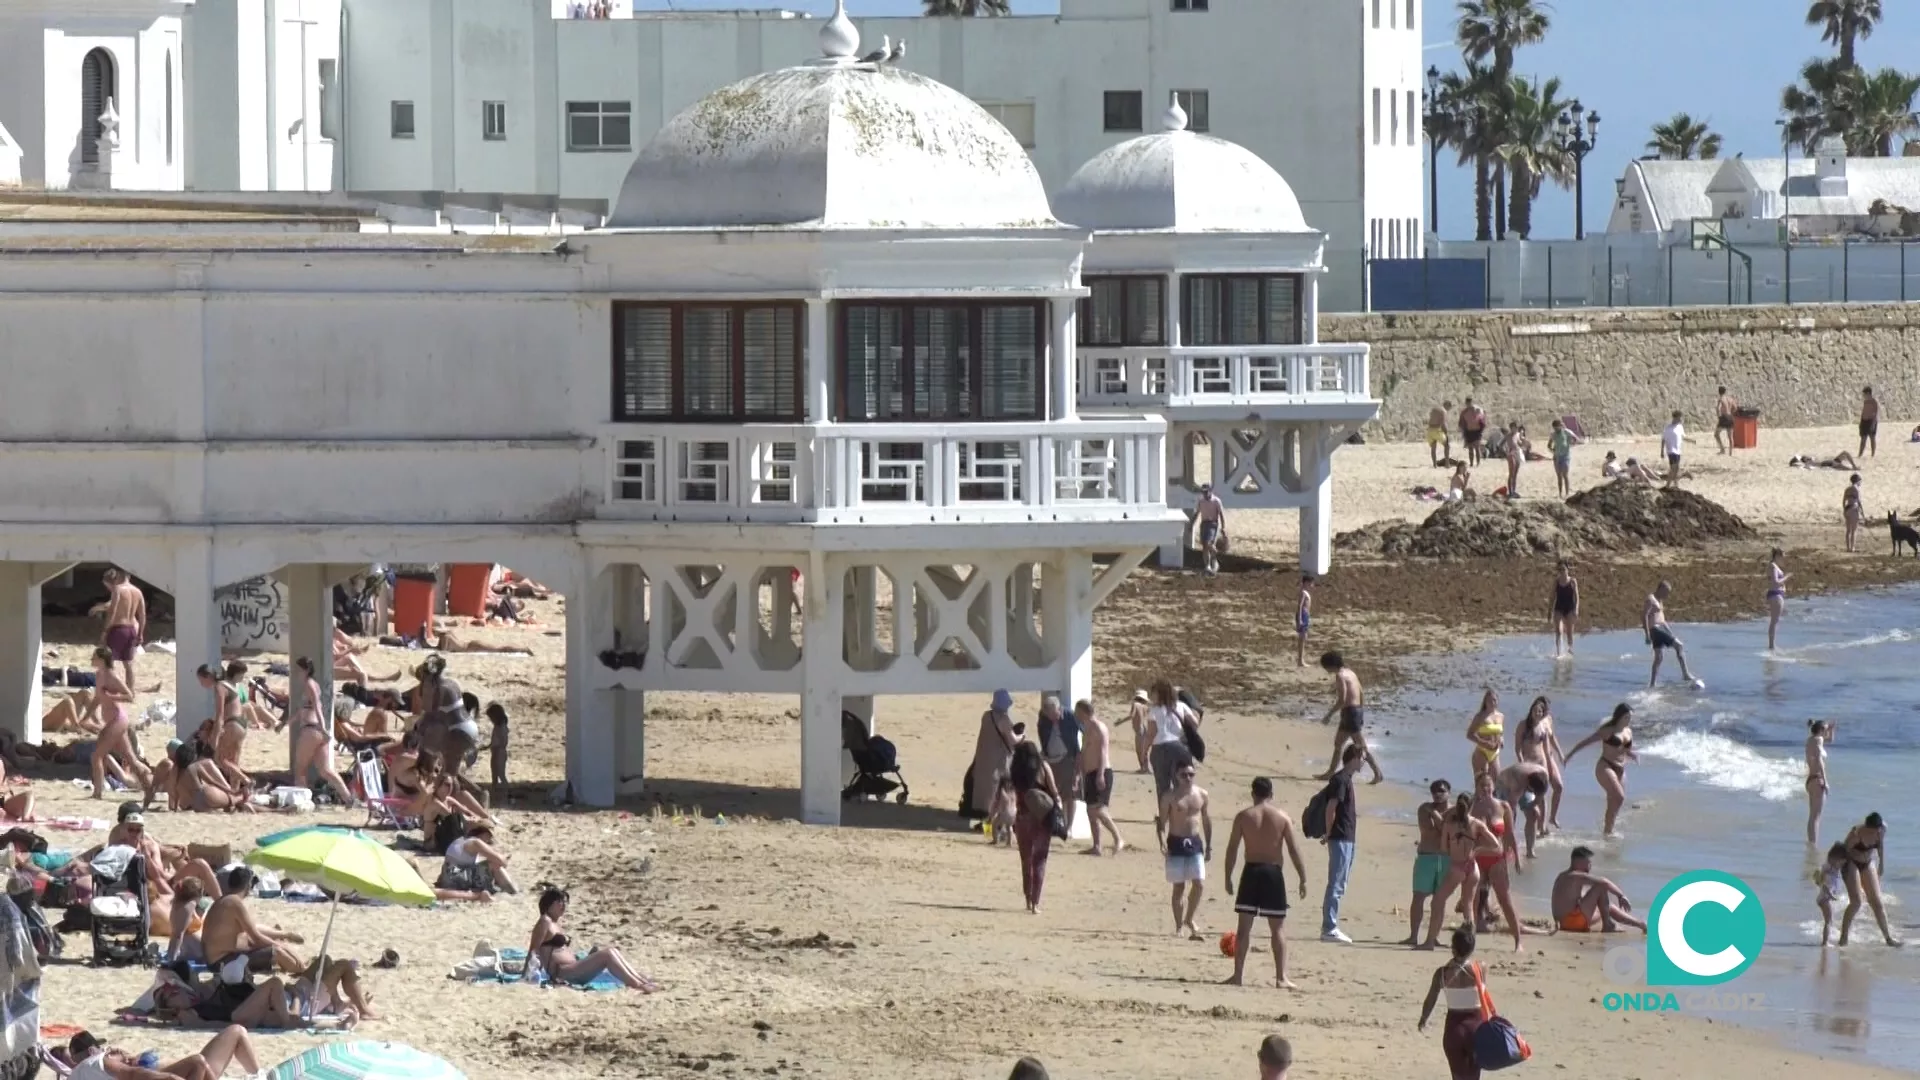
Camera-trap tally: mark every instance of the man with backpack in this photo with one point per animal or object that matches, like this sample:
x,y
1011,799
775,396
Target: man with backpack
x,y
1332,817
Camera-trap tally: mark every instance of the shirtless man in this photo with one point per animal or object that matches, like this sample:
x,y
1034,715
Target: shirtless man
x,y
1439,440
1350,705
1186,839
230,931
1526,784
126,611
1430,861
1211,513
1659,635
1580,897
1869,423
1140,719
1723,408
1266,831
1096,775
1473,427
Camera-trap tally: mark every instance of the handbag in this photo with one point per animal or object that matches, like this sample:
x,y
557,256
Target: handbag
x,y
1045,807
1190,734
1497,1044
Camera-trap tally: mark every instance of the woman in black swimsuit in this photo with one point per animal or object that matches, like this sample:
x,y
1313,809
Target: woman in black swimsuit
x,y
550,952
1616,750
1864,842
1566,608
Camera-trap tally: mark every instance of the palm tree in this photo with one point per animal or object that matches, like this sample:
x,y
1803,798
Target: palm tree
x,y
1882,110
1495,29
1465,100
1683,138
1530,148
1843,22
1820,104
971,8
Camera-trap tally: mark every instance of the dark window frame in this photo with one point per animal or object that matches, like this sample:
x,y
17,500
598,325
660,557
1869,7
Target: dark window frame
x,y
677,310
1084,321
1139,102
601,113
1187,281
1189,5
489,131
976,309
412,126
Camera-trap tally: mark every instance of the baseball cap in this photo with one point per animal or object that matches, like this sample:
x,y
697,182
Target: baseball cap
x,y
134,819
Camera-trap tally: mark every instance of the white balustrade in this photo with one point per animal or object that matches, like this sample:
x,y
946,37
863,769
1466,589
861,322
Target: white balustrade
x,y
1153,377
779,473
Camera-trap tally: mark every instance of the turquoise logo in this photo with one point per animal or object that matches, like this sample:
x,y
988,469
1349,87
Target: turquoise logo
x,y
1705,928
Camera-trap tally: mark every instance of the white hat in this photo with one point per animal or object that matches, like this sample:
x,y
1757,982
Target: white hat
x,y
1141,696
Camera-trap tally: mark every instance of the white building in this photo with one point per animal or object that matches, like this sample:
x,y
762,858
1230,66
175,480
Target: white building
x,y
1829,194
499,97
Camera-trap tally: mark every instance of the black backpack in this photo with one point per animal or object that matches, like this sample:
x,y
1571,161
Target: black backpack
x,y
1313,822
446,829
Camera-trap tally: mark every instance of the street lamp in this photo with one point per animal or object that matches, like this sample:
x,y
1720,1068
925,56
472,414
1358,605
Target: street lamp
x,y
1578,140
1438,119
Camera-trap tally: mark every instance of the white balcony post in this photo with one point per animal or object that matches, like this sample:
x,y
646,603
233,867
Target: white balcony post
x,y
1316,513
819,389
1062,351
1310,309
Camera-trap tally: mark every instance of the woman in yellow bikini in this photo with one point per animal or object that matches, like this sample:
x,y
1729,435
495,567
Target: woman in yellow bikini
x,y
1487,731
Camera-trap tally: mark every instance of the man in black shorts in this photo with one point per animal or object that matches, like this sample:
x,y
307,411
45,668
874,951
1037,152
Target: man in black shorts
x,y
1266,831
1723,408
1350,704
1473,427
1869,424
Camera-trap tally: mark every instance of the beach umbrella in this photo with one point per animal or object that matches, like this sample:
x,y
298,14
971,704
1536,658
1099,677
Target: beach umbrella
x,y
288,834
363,1059
343,862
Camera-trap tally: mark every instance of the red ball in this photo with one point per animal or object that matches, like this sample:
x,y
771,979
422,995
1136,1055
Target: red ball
x,y
1229,942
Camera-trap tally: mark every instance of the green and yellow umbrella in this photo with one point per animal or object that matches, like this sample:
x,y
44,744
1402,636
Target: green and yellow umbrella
x,y
364,1060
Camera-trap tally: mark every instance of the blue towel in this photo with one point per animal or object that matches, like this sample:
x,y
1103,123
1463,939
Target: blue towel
x,y
601,982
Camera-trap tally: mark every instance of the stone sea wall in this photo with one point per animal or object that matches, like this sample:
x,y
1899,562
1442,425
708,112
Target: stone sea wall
x,y
1623,371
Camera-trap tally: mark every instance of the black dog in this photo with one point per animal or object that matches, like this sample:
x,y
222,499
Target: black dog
x,y
1903,534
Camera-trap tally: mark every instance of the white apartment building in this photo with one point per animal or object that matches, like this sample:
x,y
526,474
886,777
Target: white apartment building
x,y
499,96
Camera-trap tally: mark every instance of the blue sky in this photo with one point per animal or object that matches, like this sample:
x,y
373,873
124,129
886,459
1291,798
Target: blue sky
x,y
1636,62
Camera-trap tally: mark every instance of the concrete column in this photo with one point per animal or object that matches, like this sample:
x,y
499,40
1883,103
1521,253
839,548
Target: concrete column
x,y
1066,590
1063,352
1316,513
196,628
628,707
1172,317
20,698
592,761
309,634
823,671
1310,309
819,385
863,613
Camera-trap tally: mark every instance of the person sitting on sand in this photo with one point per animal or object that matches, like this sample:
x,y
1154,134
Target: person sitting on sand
x,y
438,794
1583,899
474,869
203,786
549,952
91,1059
186,920
75,712
1461,485
1842,461
346,663
365,735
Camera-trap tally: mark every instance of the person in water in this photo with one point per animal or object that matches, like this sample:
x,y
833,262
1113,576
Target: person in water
x,y
1659,635
1487,731
1819,734
1537,744
1564,614
1831,878
1776,595
1864,843
1615,737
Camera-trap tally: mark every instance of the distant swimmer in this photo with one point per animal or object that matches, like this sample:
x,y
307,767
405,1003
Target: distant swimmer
x,y
1660,635
1776,594
1819,734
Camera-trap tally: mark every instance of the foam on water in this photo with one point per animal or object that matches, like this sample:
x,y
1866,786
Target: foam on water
x,y
1720,762
1869,641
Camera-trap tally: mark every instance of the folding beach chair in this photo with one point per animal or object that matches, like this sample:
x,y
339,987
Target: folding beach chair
x,y
382,811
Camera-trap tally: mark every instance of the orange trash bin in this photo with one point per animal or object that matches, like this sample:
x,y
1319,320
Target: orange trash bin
x,y
412,606
469,587
1746,429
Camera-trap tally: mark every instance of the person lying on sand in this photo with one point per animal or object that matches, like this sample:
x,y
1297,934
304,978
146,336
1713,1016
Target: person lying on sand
x,y
1842,461
452,643
91,1059
516,584
346,665
1612,469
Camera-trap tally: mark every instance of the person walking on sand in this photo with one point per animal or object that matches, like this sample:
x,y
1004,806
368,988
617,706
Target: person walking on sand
x,y
1463,982
1267,832
1819,734
116,732
1615,737
1350,705
1653,619
1302,619
1140,719
1035,799
126,630
1211,513
992,751
1439,443
1723,408
1560,443
1584,901
1059,735
1776,594
1563,614
1430,862
1869,424
1169,717
1339,832
1673,443
1851,511
1185,832
1473,428
1096,776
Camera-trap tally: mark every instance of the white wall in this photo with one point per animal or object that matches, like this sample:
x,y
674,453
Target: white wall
x,y
1392,143
254,86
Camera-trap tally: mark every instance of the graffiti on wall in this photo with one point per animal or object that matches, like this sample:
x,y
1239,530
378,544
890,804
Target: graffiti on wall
x,y
253,615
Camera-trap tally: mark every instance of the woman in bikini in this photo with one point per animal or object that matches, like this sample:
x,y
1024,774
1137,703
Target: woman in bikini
x,y
1465,837
1616,750
1864,842
112,697
1776,594
203,786
1850,510
230,736
1536,744
1564,610
312,745
551,952
1819,734
1498,814
1487,731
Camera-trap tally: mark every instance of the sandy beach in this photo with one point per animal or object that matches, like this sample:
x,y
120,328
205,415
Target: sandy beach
x,y
898,947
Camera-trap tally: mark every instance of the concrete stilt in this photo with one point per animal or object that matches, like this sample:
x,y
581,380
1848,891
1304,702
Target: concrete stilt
x,y
1316,515
628,615
21,702
196,627
821,658
310,635
592,761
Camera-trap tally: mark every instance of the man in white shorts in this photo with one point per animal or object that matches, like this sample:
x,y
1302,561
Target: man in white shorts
x,y
1186,839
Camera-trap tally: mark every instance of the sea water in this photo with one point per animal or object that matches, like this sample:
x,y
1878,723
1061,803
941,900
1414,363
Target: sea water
x,y
1720,785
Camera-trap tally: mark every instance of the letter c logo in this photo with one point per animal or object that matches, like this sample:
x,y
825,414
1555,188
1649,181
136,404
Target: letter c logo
x,y
1727,922
1673,928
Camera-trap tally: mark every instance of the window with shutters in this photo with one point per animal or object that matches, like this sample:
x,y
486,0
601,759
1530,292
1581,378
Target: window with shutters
x,y
1240,309
718,363
99,89
962,360
1123,311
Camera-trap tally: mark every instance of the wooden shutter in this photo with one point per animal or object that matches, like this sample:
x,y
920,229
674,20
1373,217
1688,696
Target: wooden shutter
x,y
873,347
770,362
643,385
1243,311
942,363
706,362
1010,362
1205,314
1145,308
1283,311
1102,314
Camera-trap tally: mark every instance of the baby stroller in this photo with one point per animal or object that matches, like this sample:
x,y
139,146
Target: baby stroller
x,y
119,912
874,759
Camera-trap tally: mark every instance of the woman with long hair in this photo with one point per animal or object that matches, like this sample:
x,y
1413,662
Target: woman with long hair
x,y
1819,734
230,700
1866,843
1487,731
112,696
1536,744
312,744
1035,798
1466,839
1460,979
1615,737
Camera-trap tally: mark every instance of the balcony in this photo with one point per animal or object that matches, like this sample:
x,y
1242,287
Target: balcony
x,y
1233,376
1096,470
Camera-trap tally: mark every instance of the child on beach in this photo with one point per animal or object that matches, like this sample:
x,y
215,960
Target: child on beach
x,y
1831,887
497,747
1302,619
1000,815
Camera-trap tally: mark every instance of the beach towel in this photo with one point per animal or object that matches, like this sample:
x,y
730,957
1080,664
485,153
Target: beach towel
x,y
507,964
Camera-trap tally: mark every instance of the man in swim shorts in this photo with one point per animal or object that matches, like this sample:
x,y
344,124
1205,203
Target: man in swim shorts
x,y
126,611
1186,839
1096,775
1525,784
1869,423
1473,427
1659,635
1211,513
1266,831
1439,443
1723,408
1430,862
1581,898
1350,704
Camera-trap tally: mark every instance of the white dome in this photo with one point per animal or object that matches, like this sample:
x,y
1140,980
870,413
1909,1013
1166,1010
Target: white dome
x,y
1182,181
834,144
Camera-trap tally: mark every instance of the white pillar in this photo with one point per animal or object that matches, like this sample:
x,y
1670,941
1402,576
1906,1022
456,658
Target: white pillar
x,y
20,699
628,708
823,672
1310,309
1067,590
196,629
592,760
1063,351
1316,514
819,386
309,634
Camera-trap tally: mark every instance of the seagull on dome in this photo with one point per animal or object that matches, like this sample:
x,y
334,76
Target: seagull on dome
x,y
880,55
899,50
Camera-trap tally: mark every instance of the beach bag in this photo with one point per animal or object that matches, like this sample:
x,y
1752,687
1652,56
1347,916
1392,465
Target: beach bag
x,y
446,829
1313,821
1196,745
1497,1044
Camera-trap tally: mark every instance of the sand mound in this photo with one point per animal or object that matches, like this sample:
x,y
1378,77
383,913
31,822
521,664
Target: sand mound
x,y
1614,517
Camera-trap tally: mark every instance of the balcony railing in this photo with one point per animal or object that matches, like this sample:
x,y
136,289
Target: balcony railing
x,y
915,472
1157,376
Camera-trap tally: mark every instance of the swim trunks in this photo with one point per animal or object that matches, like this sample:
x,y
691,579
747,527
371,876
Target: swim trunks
x,y
1562,462
1263,891
1352,718
1096,787
1436,436
1673,460
1725,423
121,641
1869,428
1473,437
1186,860
1209,532
1429,870
1663,638
1301,621
1575,922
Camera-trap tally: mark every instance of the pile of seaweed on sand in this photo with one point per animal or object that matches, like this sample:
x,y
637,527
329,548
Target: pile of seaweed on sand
x,y
1617,517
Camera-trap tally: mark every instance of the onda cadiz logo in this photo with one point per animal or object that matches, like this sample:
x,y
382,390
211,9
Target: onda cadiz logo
x,y
1705,928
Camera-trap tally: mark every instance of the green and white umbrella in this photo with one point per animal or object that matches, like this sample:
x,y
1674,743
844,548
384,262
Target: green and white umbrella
x,y
364,1059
